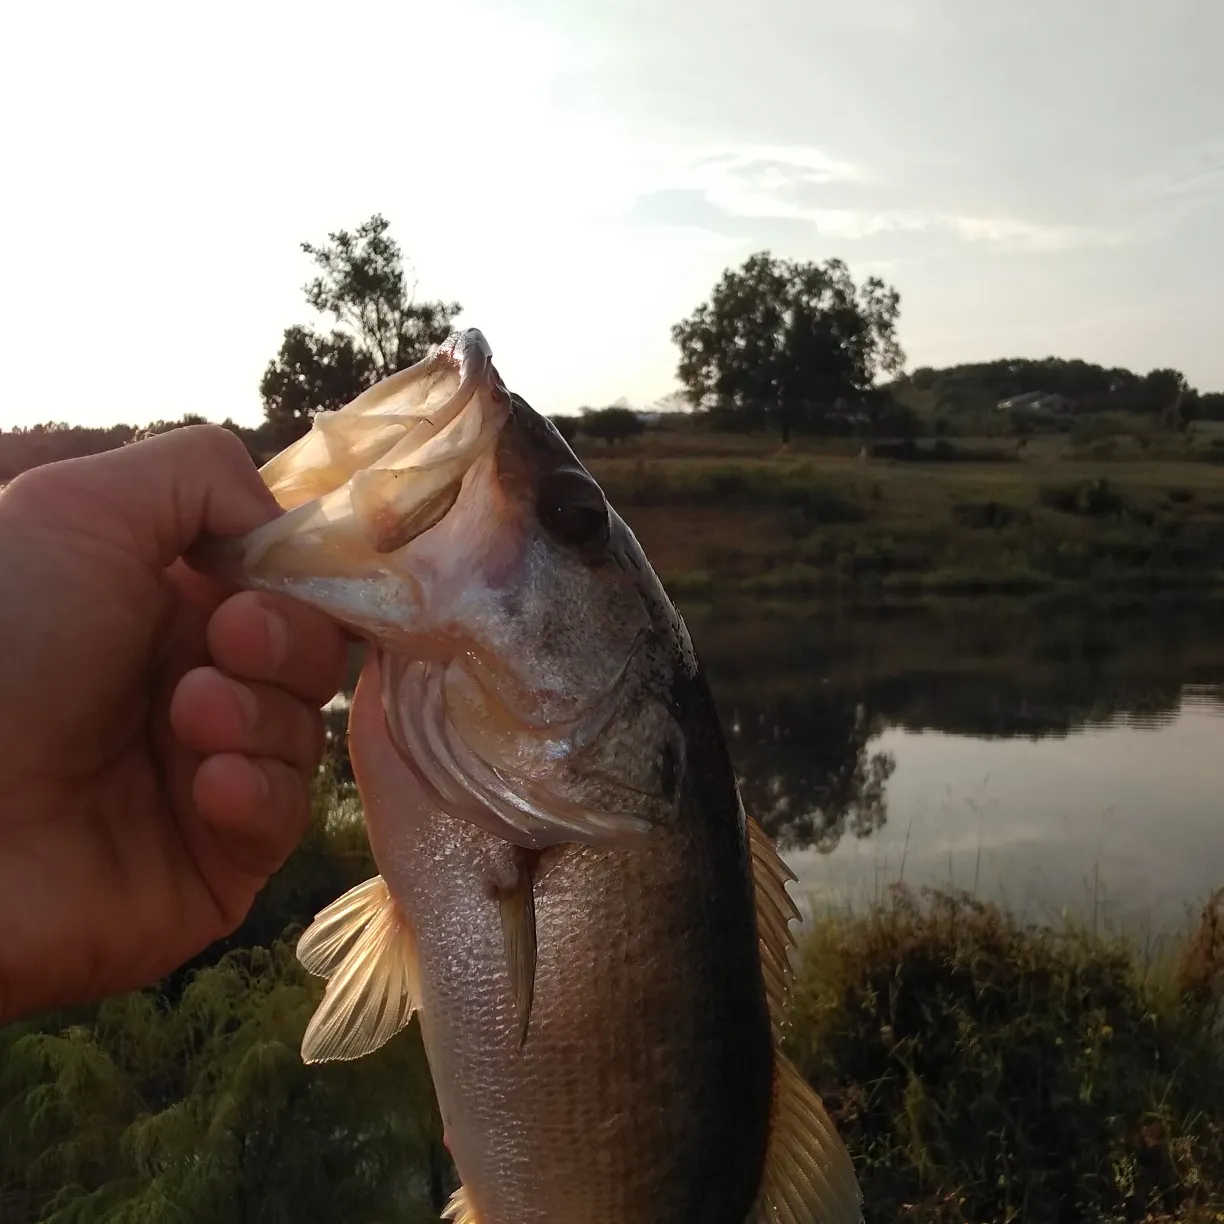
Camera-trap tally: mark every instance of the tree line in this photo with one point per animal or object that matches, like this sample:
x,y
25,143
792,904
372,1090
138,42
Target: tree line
x,y
785,345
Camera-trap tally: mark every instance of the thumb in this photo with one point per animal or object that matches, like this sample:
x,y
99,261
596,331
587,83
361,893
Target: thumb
x,y
155,497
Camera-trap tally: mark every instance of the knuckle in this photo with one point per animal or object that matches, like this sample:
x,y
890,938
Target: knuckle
x,y
34,487
216,440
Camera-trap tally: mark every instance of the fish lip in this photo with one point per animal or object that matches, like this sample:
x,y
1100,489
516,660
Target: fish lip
x,y
470,351
467,351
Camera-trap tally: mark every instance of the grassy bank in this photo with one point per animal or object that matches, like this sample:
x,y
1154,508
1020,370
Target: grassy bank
x,y
992,518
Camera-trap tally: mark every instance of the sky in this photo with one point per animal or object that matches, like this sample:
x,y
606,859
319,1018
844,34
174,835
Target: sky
x,y
1037,178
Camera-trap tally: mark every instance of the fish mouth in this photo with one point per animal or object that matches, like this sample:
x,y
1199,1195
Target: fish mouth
x,y
365,482
411,518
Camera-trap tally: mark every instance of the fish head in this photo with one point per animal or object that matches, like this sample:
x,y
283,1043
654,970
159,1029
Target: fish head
x,y
527,654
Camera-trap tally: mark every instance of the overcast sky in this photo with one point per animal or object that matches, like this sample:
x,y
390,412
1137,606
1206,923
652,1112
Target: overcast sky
x,y
1034,178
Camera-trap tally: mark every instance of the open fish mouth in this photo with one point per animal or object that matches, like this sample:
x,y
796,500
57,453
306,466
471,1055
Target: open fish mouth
x,y
447,523
368,480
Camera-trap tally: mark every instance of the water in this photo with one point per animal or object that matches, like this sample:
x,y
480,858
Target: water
x,y
1052,756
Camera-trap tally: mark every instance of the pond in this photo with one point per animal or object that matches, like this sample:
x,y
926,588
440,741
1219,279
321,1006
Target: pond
x,y
1056,756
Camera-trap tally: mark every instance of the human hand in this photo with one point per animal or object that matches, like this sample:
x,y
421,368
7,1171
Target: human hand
x,y
157,739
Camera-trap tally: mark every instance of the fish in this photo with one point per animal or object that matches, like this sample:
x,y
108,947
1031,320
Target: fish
x,y
593,933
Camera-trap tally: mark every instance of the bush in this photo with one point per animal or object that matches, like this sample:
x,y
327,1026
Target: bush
x,y
984,1071
987,514
612,425
1088,499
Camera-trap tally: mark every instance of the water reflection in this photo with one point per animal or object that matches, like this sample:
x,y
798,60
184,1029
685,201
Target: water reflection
x,y
807,769
1046,754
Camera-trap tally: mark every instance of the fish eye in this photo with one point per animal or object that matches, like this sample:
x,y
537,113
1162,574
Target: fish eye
x,y
572,509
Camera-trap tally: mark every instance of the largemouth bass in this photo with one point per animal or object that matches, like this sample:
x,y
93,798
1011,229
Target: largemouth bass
x,y
593,933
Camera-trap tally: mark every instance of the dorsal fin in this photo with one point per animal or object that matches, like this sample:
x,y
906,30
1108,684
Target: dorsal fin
x,y
809,1176
775,910
364,946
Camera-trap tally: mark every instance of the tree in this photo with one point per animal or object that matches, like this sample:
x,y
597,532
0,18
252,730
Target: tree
x,y
567,426
380,328
780,341
311,373
613,425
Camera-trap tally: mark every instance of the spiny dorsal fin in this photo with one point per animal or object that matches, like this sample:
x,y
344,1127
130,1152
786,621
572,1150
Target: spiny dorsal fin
x,y
363,945
459,1210
516,901
774,912
809,1177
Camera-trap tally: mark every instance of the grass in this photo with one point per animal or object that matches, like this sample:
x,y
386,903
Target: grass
x,y
812,519
981,1070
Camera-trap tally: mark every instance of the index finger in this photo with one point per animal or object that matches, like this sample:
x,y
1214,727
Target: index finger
x,y
259,635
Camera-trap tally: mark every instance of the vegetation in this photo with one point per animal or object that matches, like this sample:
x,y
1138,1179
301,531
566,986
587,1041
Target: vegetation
x,y
617,423
730,511
715,512
921,484
978,1070
981,1070
380,329
788,343
962,395
189,1101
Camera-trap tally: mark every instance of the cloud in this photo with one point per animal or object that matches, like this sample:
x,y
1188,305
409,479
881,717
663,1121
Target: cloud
x,y
789,194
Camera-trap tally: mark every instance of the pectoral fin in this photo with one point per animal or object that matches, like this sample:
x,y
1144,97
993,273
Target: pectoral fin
x,y
365,948
460,1210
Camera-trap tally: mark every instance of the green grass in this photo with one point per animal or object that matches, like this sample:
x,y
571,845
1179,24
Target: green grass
x,y
812,520
980,1070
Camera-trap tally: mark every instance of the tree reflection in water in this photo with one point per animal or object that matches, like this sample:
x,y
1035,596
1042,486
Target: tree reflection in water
x,y
804,692
805,768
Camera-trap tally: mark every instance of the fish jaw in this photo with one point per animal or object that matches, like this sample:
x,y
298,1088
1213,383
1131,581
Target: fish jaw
x,y
450,525
364,484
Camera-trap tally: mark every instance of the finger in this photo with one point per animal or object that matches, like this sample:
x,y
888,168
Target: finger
x,y
257,808
282,641
212,713
155,497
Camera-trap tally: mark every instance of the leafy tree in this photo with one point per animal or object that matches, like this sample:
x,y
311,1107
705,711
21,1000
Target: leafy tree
x,y
1210,407
612,425
381,328
781,341
200,1109
311,373
567,426
980,386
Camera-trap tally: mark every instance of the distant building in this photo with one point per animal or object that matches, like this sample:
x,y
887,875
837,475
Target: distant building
x,y
1036,401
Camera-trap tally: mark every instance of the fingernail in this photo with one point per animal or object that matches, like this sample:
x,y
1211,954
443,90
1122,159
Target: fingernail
x,y
246,699
278,637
